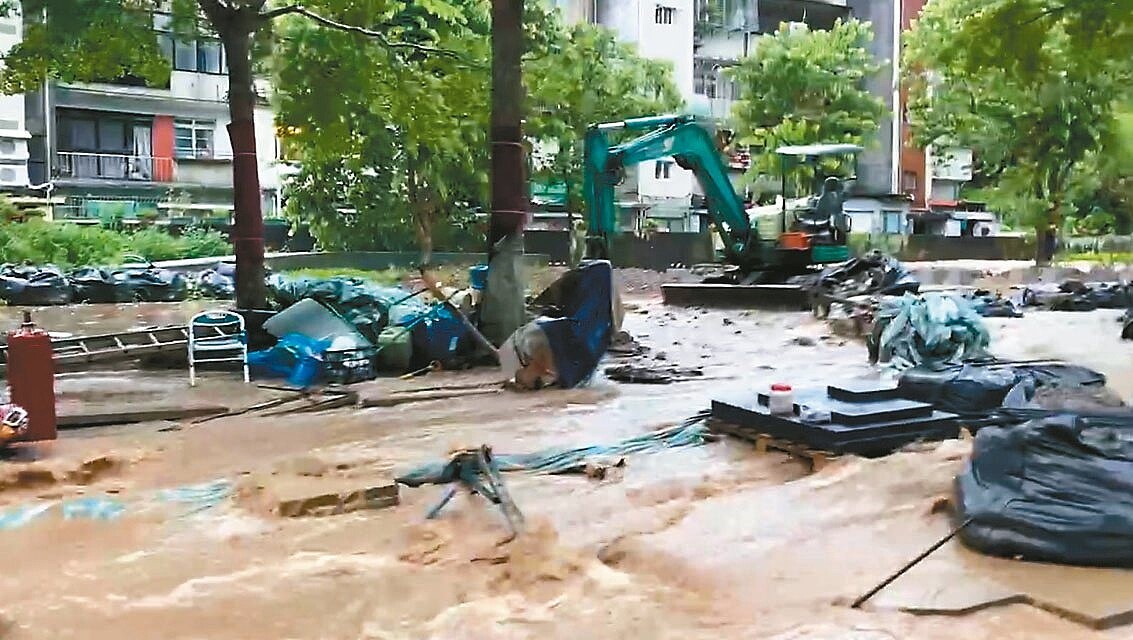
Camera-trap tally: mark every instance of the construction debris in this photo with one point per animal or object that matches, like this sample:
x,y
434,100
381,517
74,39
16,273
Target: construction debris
x,y
477,471
1075,295
932,329
871,275
579,315
133,416
644,374
328,496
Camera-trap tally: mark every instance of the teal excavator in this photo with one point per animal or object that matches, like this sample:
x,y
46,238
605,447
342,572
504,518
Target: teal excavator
x,y
817,235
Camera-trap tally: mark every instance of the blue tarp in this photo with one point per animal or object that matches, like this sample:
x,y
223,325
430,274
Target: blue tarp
x,y
295,357
580,337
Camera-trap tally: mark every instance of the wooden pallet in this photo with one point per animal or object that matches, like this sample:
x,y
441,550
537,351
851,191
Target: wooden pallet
x,y
815,458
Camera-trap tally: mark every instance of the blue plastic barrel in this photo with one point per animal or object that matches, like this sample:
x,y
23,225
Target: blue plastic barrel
x,y
478,277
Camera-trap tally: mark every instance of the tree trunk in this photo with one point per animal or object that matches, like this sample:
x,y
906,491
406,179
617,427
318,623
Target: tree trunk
x,y
421,204
503,310
425,235
248,220
509,170
1042,240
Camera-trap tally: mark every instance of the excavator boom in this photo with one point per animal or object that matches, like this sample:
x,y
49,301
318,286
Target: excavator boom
x,y
692,148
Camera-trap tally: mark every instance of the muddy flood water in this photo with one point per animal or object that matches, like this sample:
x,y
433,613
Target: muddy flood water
x,y
710,542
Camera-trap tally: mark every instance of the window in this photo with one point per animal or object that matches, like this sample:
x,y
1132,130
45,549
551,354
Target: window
x,y
95,132
909,179
193,138
208,56
891,221
185,56
663,170
663,15
205,55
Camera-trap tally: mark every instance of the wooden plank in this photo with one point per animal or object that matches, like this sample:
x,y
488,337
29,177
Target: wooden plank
x,y
764,443
79,420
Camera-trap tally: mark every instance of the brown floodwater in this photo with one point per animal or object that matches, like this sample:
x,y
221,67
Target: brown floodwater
x,y
707,542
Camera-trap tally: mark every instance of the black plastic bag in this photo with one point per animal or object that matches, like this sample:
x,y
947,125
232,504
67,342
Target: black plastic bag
x,y
978,389
1056,489
964,390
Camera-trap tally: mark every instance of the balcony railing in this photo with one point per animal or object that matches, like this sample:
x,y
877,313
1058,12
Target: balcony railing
x,y
108,166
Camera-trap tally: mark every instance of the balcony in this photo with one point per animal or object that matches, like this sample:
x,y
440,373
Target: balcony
x,y
108,166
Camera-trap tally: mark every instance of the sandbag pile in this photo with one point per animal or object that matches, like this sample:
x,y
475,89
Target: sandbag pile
x,y
1056,489
1075,295
933,330
48,285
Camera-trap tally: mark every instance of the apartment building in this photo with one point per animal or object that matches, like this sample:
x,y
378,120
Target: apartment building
x,y
121,148
702,39
931,177
13,128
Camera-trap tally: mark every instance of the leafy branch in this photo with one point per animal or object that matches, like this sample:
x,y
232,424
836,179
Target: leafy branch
x,y
296,9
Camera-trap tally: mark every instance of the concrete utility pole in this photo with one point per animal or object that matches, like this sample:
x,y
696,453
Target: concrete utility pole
x,y
503,310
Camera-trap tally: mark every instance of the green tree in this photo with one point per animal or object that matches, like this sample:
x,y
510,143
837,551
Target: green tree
x,y
99,40
1014,35
402,142
397,125
806,86
586,76
1034,133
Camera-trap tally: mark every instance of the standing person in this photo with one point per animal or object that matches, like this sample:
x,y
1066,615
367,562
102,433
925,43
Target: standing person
x,y
1051,243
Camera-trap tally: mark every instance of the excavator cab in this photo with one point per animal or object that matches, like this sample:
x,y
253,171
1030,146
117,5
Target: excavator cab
x,y
819,225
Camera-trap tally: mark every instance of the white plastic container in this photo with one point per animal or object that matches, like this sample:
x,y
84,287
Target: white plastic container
x,y
781,400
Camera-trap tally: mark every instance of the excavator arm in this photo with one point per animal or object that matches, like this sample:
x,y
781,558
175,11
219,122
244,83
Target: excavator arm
x,y
692,148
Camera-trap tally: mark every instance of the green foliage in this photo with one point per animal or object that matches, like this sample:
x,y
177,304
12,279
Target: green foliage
x,y
806,87
403,144
154,245
401,153
1015,35
157,245
64,245
1039,134
71,245
85,40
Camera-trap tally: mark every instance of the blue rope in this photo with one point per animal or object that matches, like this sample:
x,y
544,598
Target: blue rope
x,y
692,432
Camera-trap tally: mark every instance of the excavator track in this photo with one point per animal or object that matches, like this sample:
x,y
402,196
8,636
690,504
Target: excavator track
x,y
779,297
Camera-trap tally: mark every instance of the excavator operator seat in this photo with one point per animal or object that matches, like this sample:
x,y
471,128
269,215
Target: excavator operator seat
x,y
824,222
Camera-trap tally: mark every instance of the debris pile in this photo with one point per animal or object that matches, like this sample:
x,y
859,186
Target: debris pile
x,y
577,318
933,329
850,294
870,275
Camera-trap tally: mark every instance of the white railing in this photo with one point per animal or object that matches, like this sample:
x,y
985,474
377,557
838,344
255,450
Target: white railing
x,y
109,166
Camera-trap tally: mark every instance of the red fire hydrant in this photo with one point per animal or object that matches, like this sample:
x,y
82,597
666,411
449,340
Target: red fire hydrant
x,y
31,376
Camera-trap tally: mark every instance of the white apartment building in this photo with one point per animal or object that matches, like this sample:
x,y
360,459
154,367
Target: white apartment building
x,y
130,148
660,30
13,126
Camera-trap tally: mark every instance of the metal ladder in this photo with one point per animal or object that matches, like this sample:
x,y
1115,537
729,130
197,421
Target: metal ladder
x,y
72,353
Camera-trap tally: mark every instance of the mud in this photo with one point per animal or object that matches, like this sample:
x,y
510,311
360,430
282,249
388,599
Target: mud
x,y
709,542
